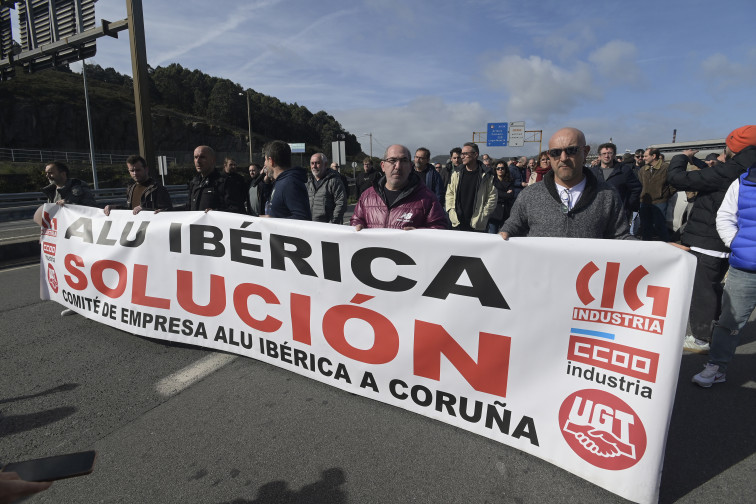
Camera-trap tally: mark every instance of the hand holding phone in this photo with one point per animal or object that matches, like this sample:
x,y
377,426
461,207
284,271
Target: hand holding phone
x,y
12,487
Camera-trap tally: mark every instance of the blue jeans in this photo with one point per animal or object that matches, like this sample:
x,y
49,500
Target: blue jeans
x,y
653,218
635,224
493,227
738,301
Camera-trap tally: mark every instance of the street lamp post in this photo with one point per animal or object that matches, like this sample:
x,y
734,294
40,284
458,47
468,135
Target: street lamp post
x,y
249,125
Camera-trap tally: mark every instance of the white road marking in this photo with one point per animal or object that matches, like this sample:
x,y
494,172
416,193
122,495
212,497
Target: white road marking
x,y
35,265
750,384
35,235
183,378
25,228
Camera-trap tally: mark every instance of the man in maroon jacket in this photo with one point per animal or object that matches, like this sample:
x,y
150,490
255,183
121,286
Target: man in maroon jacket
x,y
399,199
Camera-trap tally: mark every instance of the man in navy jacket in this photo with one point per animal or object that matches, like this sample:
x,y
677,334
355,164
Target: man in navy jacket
x,y
620,176
289,199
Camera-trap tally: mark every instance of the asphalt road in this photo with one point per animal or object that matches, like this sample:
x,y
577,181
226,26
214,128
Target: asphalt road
x,y
20,230
173,423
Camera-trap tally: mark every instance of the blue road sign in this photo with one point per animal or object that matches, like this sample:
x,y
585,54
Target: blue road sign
x,y
497,134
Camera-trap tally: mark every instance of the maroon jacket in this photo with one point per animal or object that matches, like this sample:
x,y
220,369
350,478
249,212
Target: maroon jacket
x,y
416,206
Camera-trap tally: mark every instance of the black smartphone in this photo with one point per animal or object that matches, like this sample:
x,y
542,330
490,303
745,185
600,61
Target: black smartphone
x,y
54,468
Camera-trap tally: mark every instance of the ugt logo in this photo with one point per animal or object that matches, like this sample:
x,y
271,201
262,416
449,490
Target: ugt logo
x,y
52,278
658,297
49,225
602,429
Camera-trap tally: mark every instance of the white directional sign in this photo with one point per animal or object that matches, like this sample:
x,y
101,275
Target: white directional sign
x,y
517,134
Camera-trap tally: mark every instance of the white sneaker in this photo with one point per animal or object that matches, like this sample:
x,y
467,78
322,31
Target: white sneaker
x,y
692,344
709,376
67,312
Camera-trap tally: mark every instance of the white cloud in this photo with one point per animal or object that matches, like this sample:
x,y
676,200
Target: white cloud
x,y
617,61
195,39
568,42
722,73
426,121
537,88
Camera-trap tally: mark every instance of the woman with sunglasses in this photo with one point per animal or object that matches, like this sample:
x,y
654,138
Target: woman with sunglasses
x,y
543,166
504,187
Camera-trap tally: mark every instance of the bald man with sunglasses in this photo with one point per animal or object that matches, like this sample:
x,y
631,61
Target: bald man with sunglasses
x,y
572,202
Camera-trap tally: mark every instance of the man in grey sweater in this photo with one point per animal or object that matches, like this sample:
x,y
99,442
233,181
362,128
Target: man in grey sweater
x,y
328,198
571,202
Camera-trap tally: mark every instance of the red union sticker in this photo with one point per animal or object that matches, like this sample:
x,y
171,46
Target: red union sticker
x,y
629,361
52,278
48,248
602,429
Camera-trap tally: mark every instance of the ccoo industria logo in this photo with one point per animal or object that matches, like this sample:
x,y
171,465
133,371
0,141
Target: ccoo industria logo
x,y
642,309
49,250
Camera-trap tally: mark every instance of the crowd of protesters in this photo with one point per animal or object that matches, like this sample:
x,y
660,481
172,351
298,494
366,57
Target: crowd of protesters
x,y
556,194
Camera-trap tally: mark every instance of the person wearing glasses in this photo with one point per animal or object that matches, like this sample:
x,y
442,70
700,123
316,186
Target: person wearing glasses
x,y
638,161
471,196
400,199
571,202
504,188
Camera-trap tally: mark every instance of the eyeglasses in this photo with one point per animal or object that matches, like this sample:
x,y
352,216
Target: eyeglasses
x,y
468,153
393,160
499,168
570,151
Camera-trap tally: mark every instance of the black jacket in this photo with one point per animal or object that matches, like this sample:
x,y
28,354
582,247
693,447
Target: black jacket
x,y
711,183
504,203
627,184
365,181
155,197
216,192
262,190
75,192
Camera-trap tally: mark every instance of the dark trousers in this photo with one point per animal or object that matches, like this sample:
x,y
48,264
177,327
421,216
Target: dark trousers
x,y
706,302
653,219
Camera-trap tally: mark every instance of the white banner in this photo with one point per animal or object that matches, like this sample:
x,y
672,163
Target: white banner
x,y
566,349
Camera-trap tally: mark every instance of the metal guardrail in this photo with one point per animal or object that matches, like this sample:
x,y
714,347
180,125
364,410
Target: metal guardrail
x,y
20,206
45,156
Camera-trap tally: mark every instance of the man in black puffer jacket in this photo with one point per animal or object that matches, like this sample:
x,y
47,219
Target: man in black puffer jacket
x,y
700,234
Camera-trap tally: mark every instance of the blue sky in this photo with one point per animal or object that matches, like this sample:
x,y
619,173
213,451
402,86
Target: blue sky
x,y
431,72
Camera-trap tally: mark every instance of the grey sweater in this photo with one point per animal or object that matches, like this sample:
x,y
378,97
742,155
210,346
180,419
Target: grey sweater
x,y
598,213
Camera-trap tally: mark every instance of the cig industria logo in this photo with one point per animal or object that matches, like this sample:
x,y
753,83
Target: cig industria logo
x,y
637,308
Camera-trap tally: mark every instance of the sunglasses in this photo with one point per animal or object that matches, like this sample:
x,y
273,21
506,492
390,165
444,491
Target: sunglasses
x,y
570,151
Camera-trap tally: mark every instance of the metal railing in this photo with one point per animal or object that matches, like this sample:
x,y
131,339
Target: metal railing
x,y
45,156
19,206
